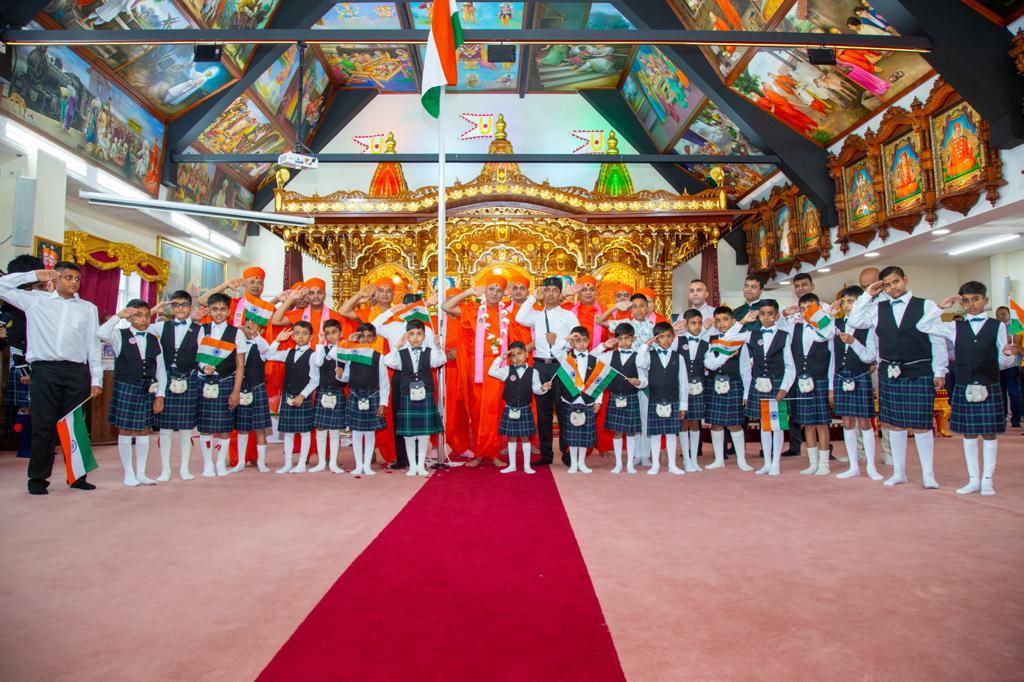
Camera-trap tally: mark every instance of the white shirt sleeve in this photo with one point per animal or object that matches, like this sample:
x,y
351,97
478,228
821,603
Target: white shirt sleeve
x,y
736,333
95,350
789,367
161,370
526,315
831,370
940,355
275,355
864,313
437,358
684,387
108,332
21,298
383,383
867,352
501,373
643,357
746,364
392,360
1005,361
314,376
538,387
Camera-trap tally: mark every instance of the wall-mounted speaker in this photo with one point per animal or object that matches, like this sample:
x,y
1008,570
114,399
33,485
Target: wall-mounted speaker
x,y
204,54
821,56
501,54
24,211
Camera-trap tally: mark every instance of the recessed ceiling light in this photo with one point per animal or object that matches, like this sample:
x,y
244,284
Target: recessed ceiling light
x,y
824,269
871,254
940,232
984,244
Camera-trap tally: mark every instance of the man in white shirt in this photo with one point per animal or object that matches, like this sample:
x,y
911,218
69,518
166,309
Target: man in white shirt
x,y
698,299
550,326
64,353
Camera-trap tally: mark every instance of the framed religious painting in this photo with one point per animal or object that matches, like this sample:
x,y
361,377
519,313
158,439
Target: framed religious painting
x,y
902,147
964,165
812,241
189,270
779,214
858,193
759,247
50,252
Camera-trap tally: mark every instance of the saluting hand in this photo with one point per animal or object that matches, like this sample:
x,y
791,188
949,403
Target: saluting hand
x,y
875,288
752,315
623,306
284,336
791,310
949,301
47,276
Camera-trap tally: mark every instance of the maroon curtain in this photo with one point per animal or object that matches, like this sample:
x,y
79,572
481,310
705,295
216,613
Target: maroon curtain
x,y
148,292
709,273
100,287
292,267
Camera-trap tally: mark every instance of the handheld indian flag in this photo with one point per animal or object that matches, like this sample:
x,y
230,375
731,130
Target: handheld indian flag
x,y
213,351
816,317
258,310
774,415
1016,325
569,378
414,311
602,378
440,67
357,353
723,347
74,440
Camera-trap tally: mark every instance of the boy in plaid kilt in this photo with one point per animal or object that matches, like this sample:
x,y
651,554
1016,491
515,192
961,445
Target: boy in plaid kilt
x,y
221,373
179,341
577,418
521,383
911,366
369,389
418,418
982,349
301,378
329,411
139,384
667,397
811,345
850,390
772,372
252,416
728,380
622,414
691,345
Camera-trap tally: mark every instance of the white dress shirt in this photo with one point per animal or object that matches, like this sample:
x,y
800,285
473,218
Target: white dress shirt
x,y
932,324
276,355
624,356
157,328
258,343
736,333
217,331
864,315
558,321
655,353
108,331
56,328
501,373
867,352
643,330
714,361
394,361
392,331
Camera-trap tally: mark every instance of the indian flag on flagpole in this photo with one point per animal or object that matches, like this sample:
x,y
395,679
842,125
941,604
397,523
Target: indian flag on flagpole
x,y
357,353
723,347
257,310
74,440
774,415
567,375
816,317
213,351
1016,325
414,311
440,67
602,378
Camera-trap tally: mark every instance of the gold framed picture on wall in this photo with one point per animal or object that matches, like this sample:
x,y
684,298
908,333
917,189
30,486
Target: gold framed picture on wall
x,y
190,270
49,251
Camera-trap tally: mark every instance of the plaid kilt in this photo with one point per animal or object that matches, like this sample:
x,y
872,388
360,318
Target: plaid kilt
x,y
295,419
364,420
17,394
180,409
623,419
696,407
754,397
577,436
977,418
727,409
906,403
860,402
418,417
329,420
662,426
131,408
214,414
811,408
256,415
524,427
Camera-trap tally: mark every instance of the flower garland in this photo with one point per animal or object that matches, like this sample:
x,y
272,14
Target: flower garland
x,y
496,343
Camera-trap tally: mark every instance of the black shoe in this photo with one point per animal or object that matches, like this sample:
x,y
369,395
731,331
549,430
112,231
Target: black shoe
x,y
543,462
566,460
791,453
396,466
83,484
38,491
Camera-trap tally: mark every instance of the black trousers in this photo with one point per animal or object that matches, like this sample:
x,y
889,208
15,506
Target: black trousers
x,y
546,405
56,389
401,457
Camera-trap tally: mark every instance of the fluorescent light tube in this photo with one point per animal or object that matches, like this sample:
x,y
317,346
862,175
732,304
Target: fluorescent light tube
x,y
984,245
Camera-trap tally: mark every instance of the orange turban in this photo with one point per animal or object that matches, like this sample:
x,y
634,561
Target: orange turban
x,y
587,279
384,282
519,279
497,280
649,293
297,286
622,286
254,272
315,283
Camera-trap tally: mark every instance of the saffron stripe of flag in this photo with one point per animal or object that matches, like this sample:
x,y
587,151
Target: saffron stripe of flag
x,y
74,440
774,415
413,311
440,67
257,310
816,317
213,351
600,380
566,374
723,347
1016,326
356,353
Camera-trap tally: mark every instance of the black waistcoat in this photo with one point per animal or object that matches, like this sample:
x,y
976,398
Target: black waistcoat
x,y
976,357
768,357
420,373
628,368
848,363
904,343
227,366
296,371
815,363
694,368
365,377
328,378
255,368
180,360
518,392
129,366
663,382
730,369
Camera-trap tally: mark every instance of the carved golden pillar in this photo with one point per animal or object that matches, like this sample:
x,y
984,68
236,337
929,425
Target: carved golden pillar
x,y
662,285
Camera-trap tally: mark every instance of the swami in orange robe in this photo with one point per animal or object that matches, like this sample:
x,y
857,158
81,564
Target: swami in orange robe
x,y
456,415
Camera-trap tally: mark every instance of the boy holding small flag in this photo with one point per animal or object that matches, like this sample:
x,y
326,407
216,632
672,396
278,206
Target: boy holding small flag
x,y
667,400
252,416
301,378
329,411
728,364
578,416
521,383
622,414
368,391
221,359
140,380
981,352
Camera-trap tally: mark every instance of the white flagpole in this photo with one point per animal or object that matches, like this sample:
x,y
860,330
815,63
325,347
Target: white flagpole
x,y
442,279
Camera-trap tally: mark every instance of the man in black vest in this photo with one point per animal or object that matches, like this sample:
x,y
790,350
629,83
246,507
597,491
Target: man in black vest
x,y
912,365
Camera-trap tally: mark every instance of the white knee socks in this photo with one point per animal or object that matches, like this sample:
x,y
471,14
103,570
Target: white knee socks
x,y
850,440
777,439
321,451
574,460
166,443
222,456
739,443
670,455
868,440
971,458
512,457
186,454
630,454
582,461
289,446
989,450
411,451
655,455
694,449
617,449
141,455
243,446
898,445
684,450
812,461
261,458
527,446
124,451
206,446
766,448
369,444
304,441
335,439
718,445
357,452
925,443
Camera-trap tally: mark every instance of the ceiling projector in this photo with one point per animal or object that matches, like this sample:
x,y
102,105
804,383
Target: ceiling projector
x,y
297,161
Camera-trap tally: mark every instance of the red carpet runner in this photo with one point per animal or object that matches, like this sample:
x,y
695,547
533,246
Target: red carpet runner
x,y
479,577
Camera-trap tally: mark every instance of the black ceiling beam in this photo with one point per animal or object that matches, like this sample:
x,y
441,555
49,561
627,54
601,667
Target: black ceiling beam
x,y
614,108
536,36
489,158
971,54
17,14
345,106
803,161
182,131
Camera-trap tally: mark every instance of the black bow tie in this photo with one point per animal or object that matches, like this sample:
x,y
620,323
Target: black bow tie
x,y
180,323
664,351
896,301
519,368
581,355
767,330
140,333
977,319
